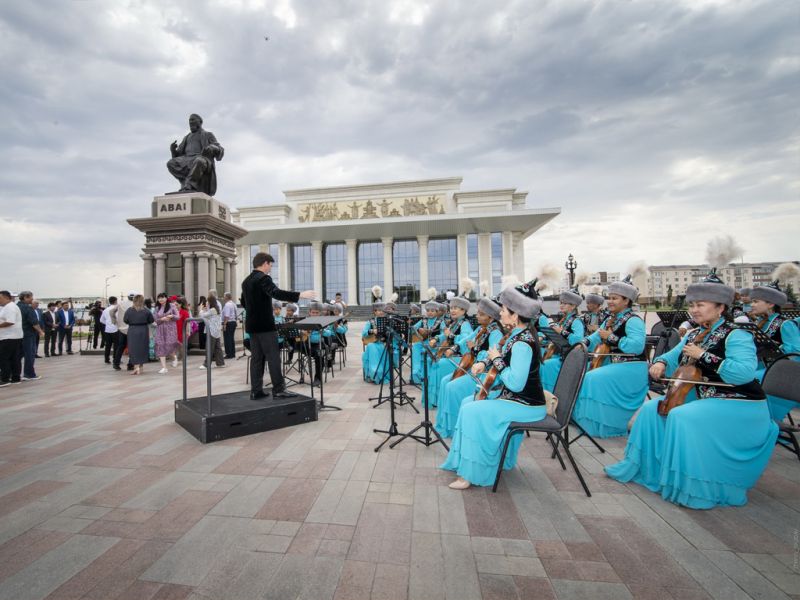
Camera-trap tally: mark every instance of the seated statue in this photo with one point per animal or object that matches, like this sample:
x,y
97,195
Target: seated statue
x,y
192,161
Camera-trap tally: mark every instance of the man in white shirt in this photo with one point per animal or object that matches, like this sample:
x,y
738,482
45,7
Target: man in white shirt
x,y
110,331
229,325
118,317
10,340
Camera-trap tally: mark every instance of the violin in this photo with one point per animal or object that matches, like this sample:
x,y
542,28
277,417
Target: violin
x,y
492,374
469,358
689,374
604,349
551,347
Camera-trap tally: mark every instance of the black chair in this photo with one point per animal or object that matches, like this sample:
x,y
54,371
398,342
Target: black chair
x,y
568,384
658,327
781,379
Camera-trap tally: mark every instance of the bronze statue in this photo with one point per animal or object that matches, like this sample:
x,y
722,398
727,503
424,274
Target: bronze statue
x,y
192,161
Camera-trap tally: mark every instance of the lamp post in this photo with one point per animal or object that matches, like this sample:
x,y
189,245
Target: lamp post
x,y
571,265
109,278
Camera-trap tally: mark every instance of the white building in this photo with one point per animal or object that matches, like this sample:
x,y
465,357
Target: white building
x,y
404,236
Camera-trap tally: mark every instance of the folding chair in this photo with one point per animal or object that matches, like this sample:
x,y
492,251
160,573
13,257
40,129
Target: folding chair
x,y
782,379
568,384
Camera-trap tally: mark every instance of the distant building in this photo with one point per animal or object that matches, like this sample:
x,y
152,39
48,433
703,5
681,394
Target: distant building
x,y
405,236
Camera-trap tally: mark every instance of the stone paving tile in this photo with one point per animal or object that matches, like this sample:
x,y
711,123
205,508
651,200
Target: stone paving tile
x,y
313,512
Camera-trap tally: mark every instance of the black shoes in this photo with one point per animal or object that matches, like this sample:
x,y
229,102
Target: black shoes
x,y
283,394
117,368
258,395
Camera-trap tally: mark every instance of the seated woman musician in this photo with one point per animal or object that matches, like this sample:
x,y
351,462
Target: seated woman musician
x,y
314,347
459,384
570,326
481,427
372,357
617,385
711,449
448,346
595,313
423,329
276,311
765,311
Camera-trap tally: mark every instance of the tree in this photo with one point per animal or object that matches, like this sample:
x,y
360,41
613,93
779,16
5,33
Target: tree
x,y
790,294
669,294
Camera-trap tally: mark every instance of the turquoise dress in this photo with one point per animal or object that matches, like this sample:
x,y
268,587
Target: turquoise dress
x,y
374,360
611,393
574,332
482,425
709,451
446,366
417,353
787,334
453,392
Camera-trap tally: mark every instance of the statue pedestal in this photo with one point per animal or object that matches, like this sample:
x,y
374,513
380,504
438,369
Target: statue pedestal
x,y
190,246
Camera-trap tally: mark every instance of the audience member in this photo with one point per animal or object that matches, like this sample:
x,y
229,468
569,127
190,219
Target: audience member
x,y
65,322
10,340
110,330
210,313
96,311
118,318
166,332
183,316
40,319
30,329
229,325
138,318
50,333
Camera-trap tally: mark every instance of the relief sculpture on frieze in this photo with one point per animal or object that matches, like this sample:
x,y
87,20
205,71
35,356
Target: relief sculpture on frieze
x,y
370,209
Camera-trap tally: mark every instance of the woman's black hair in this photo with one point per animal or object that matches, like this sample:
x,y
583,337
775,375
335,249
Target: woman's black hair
x,y
162,295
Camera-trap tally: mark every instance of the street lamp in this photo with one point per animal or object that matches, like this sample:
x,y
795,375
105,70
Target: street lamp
x,y
571,265
109,278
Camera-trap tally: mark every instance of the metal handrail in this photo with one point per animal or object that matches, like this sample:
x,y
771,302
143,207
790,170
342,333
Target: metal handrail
x,y
186,361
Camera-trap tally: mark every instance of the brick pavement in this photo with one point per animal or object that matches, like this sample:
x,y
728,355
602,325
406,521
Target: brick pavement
x,y
103,496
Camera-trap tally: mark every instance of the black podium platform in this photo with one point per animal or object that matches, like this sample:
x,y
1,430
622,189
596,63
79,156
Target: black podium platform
x,y
234,414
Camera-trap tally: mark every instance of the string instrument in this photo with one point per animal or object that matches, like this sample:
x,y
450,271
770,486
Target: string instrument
x,y
491,375
551,347
372,337
689,374
448,342
444,322
604,349
469,358
442,349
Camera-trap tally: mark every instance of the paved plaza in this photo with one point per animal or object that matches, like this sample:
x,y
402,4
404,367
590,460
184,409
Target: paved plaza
x,y
102,496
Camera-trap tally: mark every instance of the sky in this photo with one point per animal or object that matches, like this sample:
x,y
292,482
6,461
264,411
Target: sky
x,y
653,125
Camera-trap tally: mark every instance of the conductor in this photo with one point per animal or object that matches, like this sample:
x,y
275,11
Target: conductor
x,y
258,290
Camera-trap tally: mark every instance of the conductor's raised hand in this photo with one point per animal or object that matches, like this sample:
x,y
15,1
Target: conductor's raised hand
x,y
309,295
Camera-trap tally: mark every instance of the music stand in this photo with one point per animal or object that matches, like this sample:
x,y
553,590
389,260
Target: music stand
x,y
767,349
290,334
672,316
384,326
312,324
559,341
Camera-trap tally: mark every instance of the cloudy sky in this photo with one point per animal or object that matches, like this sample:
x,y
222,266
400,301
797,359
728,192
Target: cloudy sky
x,y
654,125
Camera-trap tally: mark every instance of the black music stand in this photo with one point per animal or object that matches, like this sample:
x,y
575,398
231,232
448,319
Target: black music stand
x,y
392,431
767,349
311,324
290,333
426,421
398,327
559,341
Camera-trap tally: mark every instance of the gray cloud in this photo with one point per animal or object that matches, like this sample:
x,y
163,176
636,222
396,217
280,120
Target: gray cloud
x,y
684,108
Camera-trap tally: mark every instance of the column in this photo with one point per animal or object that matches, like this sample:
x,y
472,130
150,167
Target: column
x,y
234,279
161,272
148,275
461,258
227,268
422,242
388,277
316,246
519,256
212,273
202,273
285,258
188,277
508,255
485,259
352,271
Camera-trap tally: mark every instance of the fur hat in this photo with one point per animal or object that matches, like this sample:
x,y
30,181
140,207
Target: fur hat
x,y
594,299
711,289
390,307
294,307
571,297
490,307
276,303
414,309
624,288
522,299
459,302
316,306
769,293
431,305
378,306
745,292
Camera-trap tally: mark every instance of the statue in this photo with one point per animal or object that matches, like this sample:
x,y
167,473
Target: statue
x,y
192,161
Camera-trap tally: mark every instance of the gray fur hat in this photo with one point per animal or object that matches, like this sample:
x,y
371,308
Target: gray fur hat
x,y
595,299
460,302
431,305
378,305
624,288
570,297
276,303
745,292
294,307
711,289
337,308
516,300
769,293
490,307
316,306
414,309
390,307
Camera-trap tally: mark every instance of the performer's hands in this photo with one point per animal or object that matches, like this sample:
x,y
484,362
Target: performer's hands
x,y
693,351
604,333
471,344
557,328
449,353
493,353
657,370
309,295
432,343
478,368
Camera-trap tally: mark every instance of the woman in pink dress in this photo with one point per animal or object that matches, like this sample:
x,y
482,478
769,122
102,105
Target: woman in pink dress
x,y
167,316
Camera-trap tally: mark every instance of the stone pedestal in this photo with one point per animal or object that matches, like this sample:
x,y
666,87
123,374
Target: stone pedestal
x,y
184,237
